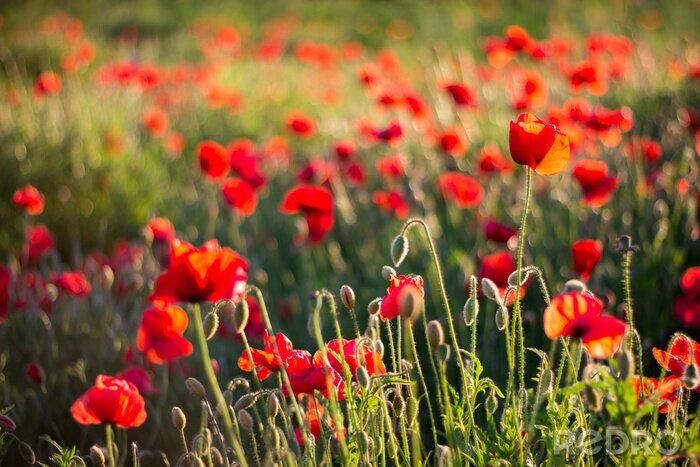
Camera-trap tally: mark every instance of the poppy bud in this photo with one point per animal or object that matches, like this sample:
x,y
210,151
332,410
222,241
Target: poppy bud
x,y
443,353
273,405
210,325
399,249
245,420
388,273
373,307
363,377
272,438
690,377
625,364
470,311
444,457
216,457
624,243
410,304
97,455
398,404
378,347
574,285
546,378
502,318
347,296
27,453
491,403
196,388
240,316
228,397
178,418
524,276
490,289
188,459
107,276
436,335
247,400
7,424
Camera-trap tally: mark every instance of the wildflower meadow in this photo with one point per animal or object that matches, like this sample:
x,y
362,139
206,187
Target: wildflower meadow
x,y
349,233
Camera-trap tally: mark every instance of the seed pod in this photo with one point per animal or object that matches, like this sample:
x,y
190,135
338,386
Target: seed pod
x,y
7,424
399,250
245,420
491,404
490,289
210,325
374,306
97,455
273,405
196,388
378,347
362,377
690,377
470,310
502,318
347,296
240,316
388,273
436,335
27,453
178,418
410,304
247,400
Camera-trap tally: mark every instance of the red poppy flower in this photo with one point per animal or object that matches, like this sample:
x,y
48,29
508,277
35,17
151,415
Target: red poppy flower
x,y
74,284
686,309
244,162
344,149
266,362
5,279
497,267
160,334
391,135
461,94
47,83
690,282
213,159
460,188
682,353
538,145
499,233
35,373
174,143
575,314
390,167
139,378
666,391
587,74
317,171
39,242
161,229
30,199
492,161
529,90
586,253
391,202
239,196
156,121
207,274
389,307
354,353
300,124
307,378
451,143
595,182
316,204
111,401
645,147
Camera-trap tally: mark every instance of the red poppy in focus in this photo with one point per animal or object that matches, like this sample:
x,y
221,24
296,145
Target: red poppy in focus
x,y
398,286
156,121
213,159
300,124
586,254
686,308
460,188
462,95
74,284
499,233
354,353
682,353
161,229
575,314
316,204
30,199
497,267
39,242
538,145
47,83
160,335
266,362
207,274
110,401
595,182
666,391
391,202
139,378
239,196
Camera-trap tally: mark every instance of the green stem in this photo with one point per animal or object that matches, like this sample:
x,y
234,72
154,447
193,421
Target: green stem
x,y
108,440
412,343
634,337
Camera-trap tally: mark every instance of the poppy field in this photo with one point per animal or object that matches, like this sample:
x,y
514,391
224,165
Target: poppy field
x,y
349,233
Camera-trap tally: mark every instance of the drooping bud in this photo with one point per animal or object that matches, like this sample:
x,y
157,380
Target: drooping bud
x,y
196,388
502,318
399,405
27,453
273,405
240,316
436,335
410,304
373,307
625,364
490,289
210,325
443,353
247,400
491,404
363,377
574,285
524,276
347,296
97,455
245,420
690,377
470,311
7,424
399,250
178,418
388,273
378,347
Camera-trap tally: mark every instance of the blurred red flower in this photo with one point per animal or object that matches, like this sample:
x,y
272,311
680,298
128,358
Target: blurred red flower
x,y
666,391
213,159
239,196
464,190
499,233
686,308
47,83
161,229
156,121
538,145
597,185
111,401
74,284
35,373
461,94
391,202
398,286
682,353
492,161
451,143
39,242
586,254
207,274
316,205
139,378
390,167
300,124
575,314
497,267
160,334
30,199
